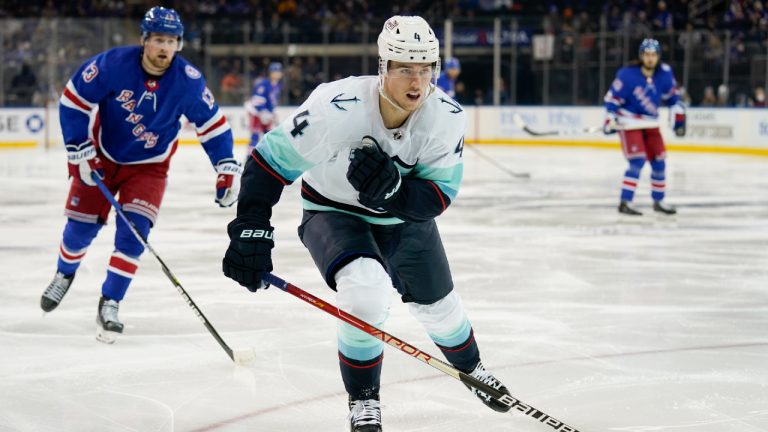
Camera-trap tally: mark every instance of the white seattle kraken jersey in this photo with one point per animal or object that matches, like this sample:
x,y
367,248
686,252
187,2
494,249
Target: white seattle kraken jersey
x,y
317,139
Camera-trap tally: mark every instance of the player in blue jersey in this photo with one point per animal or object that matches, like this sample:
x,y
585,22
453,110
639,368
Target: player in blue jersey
x,y
632,104
120,116
379,157
262,103
447,80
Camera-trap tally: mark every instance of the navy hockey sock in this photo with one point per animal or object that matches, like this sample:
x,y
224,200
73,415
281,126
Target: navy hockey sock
x,y
362,379
464,356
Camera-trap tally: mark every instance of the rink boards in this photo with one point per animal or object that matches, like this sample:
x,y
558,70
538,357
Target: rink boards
x,y
729,130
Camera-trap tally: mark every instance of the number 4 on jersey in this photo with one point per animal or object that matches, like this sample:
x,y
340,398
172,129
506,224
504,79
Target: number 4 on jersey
x,y
298,127
460,147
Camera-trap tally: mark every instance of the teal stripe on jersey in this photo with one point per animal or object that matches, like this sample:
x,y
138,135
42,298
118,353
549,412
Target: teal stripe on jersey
x,y
308,205
358,345
454,338
447,179
278,151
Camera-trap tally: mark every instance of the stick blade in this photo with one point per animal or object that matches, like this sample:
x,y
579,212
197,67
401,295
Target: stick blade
x,y
244,357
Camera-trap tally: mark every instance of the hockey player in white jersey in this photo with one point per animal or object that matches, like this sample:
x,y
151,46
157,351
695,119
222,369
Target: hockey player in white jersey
x,y
379,158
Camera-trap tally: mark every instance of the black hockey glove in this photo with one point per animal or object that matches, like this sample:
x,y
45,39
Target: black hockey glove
x,y
249,256
373,174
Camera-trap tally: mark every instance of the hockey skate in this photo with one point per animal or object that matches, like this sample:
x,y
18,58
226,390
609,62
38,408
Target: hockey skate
x,y
108,326
662,209
625,209
486,377
55,291
364,415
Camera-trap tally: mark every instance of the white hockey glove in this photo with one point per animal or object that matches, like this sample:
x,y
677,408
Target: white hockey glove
x,y
228,172
610,124
83,160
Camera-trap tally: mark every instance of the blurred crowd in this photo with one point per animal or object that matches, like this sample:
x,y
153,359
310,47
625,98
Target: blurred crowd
x,y
36,63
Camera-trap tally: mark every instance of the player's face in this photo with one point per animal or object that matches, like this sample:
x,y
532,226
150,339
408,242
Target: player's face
x,y
408,83
650,59
453,73
275,76
159,50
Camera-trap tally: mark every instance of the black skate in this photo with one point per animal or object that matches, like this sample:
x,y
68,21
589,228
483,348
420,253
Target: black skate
x,y
661,208
55,291
364,415
624,208
485,377
108,326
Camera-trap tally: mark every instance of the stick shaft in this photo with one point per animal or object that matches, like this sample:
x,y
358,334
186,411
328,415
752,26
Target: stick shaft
x,y
418,354
119,210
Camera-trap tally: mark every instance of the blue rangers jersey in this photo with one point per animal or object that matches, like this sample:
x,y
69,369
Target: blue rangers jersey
x,y
134,117
447,84
636,99
264,99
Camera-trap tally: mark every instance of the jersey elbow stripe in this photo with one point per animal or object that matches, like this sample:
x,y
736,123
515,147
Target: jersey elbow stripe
x,y
70,98
210,124
440,195
265,166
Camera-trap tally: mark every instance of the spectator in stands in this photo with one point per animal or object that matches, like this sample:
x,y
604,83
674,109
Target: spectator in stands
x,y
709,99
23,86
758,99
722,95
231,86
662,19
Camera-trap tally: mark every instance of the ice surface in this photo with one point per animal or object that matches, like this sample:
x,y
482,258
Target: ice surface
x,y
658,325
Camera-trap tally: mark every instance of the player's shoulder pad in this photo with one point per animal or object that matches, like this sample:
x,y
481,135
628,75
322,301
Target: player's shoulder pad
x,y
115,58
443,117
346,95
186,71
444,106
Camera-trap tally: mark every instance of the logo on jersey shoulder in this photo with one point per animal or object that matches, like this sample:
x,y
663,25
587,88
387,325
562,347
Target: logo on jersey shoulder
x,y
192,72
208,98
90,72
617,84
337,100
456,107
124,96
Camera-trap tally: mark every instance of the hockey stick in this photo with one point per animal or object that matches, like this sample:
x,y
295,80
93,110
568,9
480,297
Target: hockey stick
x,y
420,355
242,356
493,162
520,123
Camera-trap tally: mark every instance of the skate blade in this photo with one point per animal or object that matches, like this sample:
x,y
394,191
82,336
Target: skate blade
x,y
624,219
105,336
665,221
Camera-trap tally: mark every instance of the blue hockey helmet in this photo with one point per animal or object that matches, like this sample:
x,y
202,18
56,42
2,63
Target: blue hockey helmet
x,y
649,44
162,20
275,67
452,63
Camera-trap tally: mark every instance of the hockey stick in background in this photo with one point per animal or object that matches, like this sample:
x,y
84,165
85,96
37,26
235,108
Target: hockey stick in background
x,y
520,123
241,356
416,353
483,156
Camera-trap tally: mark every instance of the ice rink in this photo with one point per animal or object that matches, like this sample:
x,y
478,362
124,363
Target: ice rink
x,y
652,325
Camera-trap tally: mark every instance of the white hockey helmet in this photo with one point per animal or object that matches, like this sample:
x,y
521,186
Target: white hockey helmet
x,y
408,39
